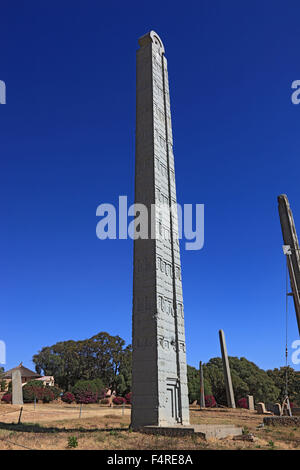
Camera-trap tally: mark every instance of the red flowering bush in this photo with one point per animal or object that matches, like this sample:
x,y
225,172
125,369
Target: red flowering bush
x,y
48,395
242,403
88,391
86,397
7,398
128,397
210,401
119,400
36,390
102,394
68,397
104,401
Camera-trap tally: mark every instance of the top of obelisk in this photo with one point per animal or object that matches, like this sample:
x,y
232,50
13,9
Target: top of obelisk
x,y
283,197
152,36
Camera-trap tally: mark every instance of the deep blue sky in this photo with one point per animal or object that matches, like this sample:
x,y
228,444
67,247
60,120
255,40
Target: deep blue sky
x,y
67,145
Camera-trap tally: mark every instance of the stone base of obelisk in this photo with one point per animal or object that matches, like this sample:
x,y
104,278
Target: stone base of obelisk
x,y
206,431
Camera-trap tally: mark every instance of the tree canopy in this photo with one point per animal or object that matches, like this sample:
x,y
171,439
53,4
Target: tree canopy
x,y
102,356
279,378
107,358
247,379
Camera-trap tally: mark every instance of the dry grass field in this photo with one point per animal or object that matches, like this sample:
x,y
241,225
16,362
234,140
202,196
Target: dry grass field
x,y
49,427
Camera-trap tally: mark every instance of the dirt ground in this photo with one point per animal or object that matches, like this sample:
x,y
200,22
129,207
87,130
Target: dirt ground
x,y
56,426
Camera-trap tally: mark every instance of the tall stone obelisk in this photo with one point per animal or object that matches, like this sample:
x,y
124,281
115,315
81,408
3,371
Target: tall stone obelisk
x,y
290,239
159,376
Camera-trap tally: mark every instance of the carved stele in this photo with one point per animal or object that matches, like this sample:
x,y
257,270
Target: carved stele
x,y
159,376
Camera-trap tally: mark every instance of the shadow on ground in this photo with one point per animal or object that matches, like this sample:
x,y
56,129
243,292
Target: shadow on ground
x,y
37,428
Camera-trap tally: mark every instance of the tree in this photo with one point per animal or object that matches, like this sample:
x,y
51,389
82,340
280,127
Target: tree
x,y
2,381
247,379
279,378
107,358
102,356
193,376
82,386
125,372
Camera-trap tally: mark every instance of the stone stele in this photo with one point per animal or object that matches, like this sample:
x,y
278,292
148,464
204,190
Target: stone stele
x,y
202,392
226,369
159,371
17,392
250,402
290,238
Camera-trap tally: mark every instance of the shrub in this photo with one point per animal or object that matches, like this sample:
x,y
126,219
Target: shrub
x,y
119,400
128,397
210,401
48,395
56,391
245,430
86,388
68,397
102,394
37,390
72,442
30,393
104,401
7,398
242,403
35,383
86,397
2,385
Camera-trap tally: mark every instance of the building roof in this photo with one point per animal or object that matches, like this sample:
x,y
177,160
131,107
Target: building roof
x,y
24,372
46,377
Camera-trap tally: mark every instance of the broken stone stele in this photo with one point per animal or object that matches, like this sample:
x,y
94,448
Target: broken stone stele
x,y
261,409
17,392
226,369
159,370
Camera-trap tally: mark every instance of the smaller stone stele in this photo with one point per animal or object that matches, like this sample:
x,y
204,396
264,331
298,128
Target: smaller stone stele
x,y
202,394
250,402
277,409
17,392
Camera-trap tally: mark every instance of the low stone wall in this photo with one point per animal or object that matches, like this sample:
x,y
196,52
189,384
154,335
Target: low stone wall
x,y
282,421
